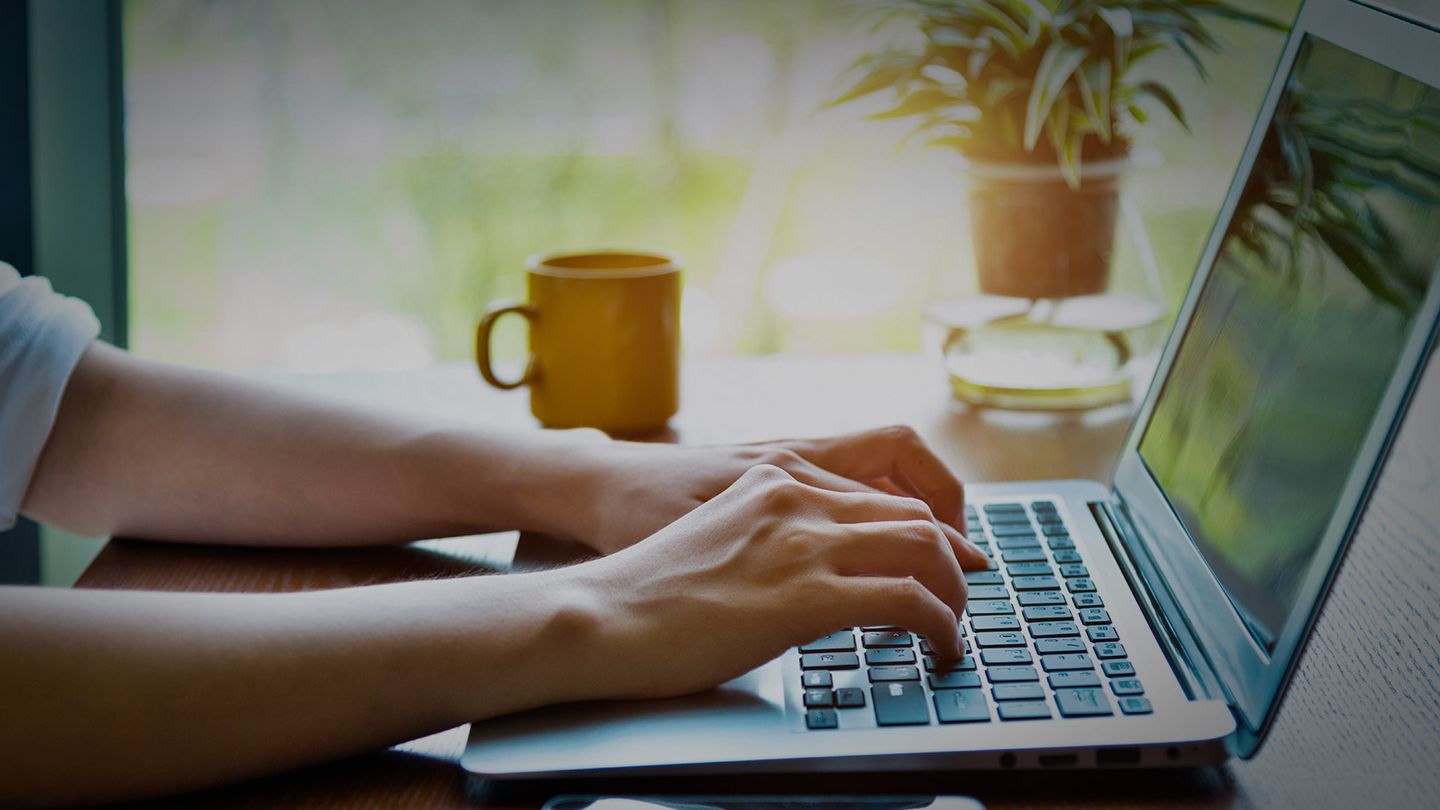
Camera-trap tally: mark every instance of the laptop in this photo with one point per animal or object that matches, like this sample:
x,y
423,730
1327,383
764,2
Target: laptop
x,y
1155,620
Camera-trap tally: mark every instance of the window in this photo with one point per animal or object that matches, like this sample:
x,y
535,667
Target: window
x,y
319,185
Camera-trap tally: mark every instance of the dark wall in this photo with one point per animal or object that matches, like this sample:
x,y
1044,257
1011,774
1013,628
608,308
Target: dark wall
x,y
19,547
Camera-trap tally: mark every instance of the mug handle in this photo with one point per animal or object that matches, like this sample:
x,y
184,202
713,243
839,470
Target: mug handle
x,y
482,343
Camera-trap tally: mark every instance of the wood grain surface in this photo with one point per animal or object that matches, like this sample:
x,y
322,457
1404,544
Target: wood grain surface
x,y
1361,726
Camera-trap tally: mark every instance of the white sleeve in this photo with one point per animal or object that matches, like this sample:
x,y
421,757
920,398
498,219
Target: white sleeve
x,y
42,335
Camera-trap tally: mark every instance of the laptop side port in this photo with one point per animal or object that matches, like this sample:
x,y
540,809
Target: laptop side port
x,y
1117,757
1059,760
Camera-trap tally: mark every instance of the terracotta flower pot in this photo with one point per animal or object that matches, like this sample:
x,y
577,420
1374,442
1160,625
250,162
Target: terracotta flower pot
x,y
1036,237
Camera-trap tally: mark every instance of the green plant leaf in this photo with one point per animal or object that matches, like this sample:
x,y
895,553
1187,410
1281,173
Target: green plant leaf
x,y
875,80
1056,67
1163,95
1122,27
1094,83
925,100
1229,11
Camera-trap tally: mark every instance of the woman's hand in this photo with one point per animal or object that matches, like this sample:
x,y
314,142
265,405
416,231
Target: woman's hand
x,y
768,563
633,490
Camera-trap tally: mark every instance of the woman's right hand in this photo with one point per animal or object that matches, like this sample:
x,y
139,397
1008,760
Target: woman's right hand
x,y
768,564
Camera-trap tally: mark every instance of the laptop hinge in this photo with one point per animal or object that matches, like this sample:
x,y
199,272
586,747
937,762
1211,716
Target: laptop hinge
x,y
1191,668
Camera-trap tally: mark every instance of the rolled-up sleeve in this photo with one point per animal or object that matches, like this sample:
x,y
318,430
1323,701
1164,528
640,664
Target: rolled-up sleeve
x,y
42,335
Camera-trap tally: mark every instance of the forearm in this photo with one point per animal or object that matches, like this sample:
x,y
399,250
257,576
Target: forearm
x,y
164,692
157,451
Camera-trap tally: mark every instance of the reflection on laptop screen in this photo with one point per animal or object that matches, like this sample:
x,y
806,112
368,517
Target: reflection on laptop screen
x,y
1297,333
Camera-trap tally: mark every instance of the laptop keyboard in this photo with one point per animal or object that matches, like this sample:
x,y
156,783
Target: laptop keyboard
x,y
1039,643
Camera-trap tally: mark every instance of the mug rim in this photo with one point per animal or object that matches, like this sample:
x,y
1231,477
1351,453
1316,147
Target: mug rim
x,y
662,262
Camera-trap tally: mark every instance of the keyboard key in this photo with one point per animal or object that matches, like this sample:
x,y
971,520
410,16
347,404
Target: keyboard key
x,y
949,664
1065,662
1022,555
1118,669
1006,638
1007,657
1036,583
1110,649
1043,506
887,638
849,698
1054,629
1102,632
841,660
1011,674
955,680
926,649
970,512
1080,585
1094,616
1018,691
900,704
843,641
961,706
1135,705
1034,598
1046,613
1074,570
1060,542
1024,710
1049,519
1014,543
1127,686
821,718
817,680
1053,530
1029,569
887,674
1058,646
992,508
1009,519
1088,600
1078,679
989,592
983,623
1012,531
904,655
819,698
875,628
1082,703
989,607
973,578
1066,556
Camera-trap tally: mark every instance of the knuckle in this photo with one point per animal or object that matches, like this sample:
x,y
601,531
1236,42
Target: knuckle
x,y
921,531
916,509
902,433
763,473
782,457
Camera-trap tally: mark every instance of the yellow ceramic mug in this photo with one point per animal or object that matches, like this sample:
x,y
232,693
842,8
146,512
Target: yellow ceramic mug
x,y
604,340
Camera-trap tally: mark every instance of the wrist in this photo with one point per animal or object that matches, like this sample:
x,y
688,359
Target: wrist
x,y
537,481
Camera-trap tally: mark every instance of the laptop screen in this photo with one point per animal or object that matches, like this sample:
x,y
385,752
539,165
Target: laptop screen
x,y
1297,333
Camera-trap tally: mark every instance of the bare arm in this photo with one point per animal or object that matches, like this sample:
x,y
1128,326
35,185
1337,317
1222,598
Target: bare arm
x,y
158,451
157,693
163,452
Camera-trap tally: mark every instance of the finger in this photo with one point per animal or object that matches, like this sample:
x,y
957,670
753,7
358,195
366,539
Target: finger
x,y
860,601
915,548
870,507
897,453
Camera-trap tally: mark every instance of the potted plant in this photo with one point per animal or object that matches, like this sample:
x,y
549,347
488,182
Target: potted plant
x,y
1040,97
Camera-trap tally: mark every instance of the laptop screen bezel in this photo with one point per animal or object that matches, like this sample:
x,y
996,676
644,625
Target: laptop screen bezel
x,y
1254,676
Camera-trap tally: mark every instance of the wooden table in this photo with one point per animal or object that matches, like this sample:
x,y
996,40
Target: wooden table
x,y
1360,726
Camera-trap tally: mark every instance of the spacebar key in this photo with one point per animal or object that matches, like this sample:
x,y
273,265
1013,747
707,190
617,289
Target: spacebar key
x,y
900,704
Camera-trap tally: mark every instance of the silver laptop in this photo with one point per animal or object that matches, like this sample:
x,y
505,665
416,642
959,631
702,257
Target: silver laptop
x,y
1156,620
